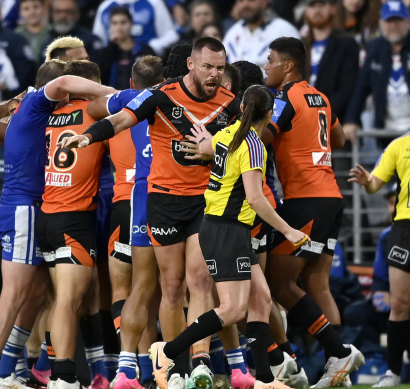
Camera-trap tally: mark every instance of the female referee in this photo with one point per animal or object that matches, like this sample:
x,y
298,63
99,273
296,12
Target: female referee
x,y
233,198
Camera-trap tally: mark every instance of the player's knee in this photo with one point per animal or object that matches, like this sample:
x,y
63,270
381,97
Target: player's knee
x,y
173,290
400,306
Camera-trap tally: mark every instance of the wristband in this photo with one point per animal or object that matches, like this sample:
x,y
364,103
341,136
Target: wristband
x,y
99,131
301,241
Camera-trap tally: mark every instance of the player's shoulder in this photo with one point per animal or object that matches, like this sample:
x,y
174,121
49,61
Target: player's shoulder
x,y
304,93
169,85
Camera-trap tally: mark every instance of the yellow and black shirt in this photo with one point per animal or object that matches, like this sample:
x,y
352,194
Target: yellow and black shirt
x,y
396,160
225,195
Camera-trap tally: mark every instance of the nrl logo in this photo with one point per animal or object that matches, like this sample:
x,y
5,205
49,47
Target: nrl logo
x,y
177,112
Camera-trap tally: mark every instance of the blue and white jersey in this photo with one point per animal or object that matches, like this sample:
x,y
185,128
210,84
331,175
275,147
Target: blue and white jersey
x,y
152,22
139,133
25,151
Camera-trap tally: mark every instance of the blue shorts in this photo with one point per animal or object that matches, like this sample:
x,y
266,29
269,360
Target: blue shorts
x,y
18,240
102,229
139,229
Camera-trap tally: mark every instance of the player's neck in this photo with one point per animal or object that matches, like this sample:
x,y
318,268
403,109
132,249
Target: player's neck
x,y
290,80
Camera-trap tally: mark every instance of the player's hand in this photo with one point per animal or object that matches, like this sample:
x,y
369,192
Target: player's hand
x,y
350,131
381,301
298,238
199,132
73,142
360,175
191,148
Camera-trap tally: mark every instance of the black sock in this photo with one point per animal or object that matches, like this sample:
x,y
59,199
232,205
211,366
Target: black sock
x,y
257,333
65,370
307,314
116,309
111,344
206,325
275,354
51,354
31,362
338,329
287,348
201,357
182,362
397,335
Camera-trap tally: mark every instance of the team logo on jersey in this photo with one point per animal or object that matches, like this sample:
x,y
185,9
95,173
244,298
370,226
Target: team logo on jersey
x,y
66,119
222,119
322,158
58,179
177,112
315,100
278,108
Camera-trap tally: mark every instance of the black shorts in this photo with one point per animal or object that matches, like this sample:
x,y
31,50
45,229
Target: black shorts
x,y
67,237
320,218
119,242
226,246
399,245
172,219
259,235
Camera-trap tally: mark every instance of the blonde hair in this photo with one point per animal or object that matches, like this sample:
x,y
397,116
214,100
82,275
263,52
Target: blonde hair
x,y
58,47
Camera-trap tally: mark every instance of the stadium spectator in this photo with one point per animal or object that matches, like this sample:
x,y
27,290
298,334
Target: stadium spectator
x,y
21,56
116,59
152,23
385,74
9,83
249,38
394,162
34,27
65,15
333,56
211,29
10,11
360,18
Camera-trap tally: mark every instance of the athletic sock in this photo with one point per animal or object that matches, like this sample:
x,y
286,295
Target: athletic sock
x,y
307,314
235,360
43,362
205,325
287,348
111,344
146,371
243,343
21,369
127,364
257,333
12,350
216,352
182,364
275,354
116,309
51,355
397,335
91,330
201,358
65,370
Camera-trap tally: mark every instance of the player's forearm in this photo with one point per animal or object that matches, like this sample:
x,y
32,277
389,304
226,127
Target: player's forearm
x,y
372,184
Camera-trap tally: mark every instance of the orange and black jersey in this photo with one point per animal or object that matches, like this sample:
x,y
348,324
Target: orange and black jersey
x,y
122,151
171,110
302,121
72,175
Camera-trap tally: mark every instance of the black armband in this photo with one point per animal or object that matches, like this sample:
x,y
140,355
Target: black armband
x,y
99,131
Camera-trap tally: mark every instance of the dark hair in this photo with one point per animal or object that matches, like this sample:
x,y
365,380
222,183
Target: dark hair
x,y
294,49
235,76
147,71
83,68
49,71
121,10
250,73
195,3
25,1
208,42
257,101
176,62
211,24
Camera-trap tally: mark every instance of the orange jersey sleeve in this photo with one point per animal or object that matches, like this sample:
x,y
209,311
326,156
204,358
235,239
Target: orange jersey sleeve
x,y
303,121
72,175
123,156
171,112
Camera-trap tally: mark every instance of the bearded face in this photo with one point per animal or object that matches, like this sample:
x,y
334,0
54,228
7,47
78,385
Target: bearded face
x,y
319,15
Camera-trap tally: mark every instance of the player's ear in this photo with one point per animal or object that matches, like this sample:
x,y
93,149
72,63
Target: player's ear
x,y
190,63
289,66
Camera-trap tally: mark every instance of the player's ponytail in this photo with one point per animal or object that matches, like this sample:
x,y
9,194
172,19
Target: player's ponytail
x,y
257,102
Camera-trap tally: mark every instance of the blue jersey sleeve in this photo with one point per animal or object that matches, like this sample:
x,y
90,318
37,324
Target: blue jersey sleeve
x,y
120,99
